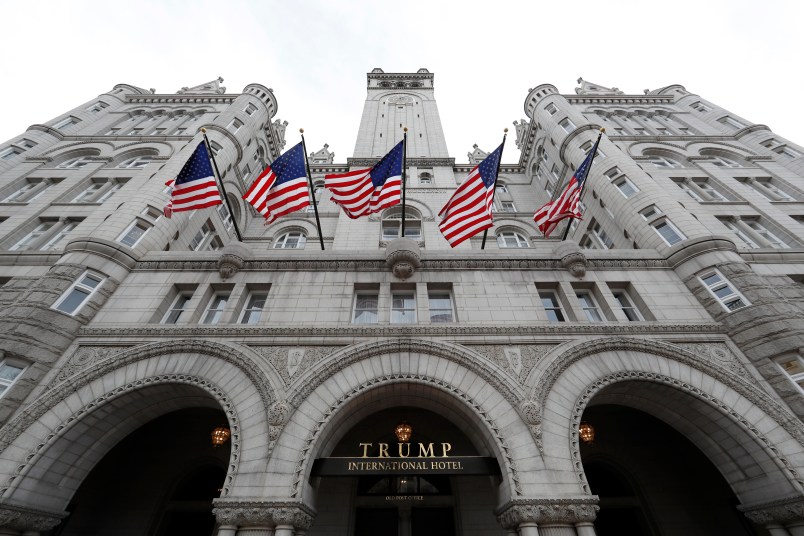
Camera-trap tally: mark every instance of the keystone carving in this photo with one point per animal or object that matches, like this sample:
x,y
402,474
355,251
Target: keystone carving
x,y
571,258
403,257
233,258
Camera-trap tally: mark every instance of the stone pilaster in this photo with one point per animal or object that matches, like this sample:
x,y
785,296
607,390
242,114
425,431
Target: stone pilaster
x,y
527,514
285,517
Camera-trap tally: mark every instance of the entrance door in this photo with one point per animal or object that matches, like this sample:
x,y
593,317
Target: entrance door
x,y
432,522
376,522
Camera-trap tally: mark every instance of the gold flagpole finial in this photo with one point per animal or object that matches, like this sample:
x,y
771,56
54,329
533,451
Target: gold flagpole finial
x,y
505,130
603,129
203,130
301,130
405,129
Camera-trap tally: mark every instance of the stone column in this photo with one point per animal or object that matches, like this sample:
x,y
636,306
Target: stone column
x,y
290,517
19,520
783,517
550,517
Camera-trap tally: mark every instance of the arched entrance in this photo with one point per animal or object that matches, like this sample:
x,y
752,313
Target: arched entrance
x,y
160,480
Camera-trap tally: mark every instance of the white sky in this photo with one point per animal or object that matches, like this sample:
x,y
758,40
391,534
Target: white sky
x,y
742,55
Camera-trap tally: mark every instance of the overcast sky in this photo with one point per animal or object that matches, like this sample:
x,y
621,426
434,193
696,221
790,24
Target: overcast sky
x,y
742,55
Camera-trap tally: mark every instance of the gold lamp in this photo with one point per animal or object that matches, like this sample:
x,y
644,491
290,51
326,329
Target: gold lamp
x,y
586,432
403,432
220,435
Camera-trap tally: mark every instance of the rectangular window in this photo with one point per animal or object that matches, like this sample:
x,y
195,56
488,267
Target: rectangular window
x,y
66,122
30,240
740,233
589,306
134,233
441,310
710,193
9,153
226,216
552,307
668,232
115,186
551,109
56,240
202,236
26,143
9,372
235,125
507,206
252,312
650,212
97,107
567,125
793,368
215,308
89,193
623,184
403,308
626,305
771,239
769,189
730,121
701,107
719,287
603,239
250,109
784,150
365,311
30,190
77,295
177,308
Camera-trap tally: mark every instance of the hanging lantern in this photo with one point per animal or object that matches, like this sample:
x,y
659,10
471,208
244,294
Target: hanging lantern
x,y
586,432
220,435
403,432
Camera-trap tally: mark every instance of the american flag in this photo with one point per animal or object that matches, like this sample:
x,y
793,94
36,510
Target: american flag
x,y
194,186
282,187
366,191
567,204
469,209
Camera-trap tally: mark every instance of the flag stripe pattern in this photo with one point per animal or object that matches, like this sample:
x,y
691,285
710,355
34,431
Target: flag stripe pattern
x,y
565,205
366,191
469,209
195,185
282,187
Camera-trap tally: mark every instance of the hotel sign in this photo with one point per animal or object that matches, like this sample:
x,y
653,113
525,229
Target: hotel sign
x,y
406,459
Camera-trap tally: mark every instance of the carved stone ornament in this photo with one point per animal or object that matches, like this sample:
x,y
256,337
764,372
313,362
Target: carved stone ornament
x,y
243,513
28,519
571,258
781,511
232,259
403,256
570,510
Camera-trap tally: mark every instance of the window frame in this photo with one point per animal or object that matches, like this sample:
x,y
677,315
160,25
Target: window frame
x,y
186,296
6,384
138,222
404,309
439,294
250,310
358,311
502,243
555,305
80,287
664,221
589,305
282,241
733,297
220,298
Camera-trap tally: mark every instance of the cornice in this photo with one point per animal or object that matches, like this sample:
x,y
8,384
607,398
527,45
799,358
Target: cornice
x,y
181,99
394,76
424,162
619,99
564,329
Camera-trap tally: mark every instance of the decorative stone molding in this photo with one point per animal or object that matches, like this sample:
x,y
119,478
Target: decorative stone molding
x,y
779,511
509,465
258,512
572,258
83,358
517,360
28,519
532,415
403,257
233,258
547,511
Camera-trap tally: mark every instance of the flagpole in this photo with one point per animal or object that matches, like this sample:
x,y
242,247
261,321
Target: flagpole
x,y
220,181
583,186
499,162
312,190
404,178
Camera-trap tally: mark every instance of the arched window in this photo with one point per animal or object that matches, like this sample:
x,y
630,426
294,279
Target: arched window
x,y
392,224
425,178
508,238
318,188
663,162
502,187
75,163
136,162
291,240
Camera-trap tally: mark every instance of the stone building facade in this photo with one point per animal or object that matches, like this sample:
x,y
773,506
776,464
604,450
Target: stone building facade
x,y
671,320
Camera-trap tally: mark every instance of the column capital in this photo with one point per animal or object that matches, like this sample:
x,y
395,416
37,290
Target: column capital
x,y
23,519
247,512
778,511
547,510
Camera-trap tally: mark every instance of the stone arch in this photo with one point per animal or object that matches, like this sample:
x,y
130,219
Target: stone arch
x,y
474,390
702,400
114,396
292,225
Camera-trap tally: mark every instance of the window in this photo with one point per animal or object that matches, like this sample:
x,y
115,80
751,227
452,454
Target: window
x,y
440,306
291,240
403,308
9,153
365,311
709,191
158,132
699,106
567,125
66,122
551,108
650,212
134,233
216,147
702,189
663,162
89,193
511,239
55,241
215,308
501,187
784,150
136,162
623,184
669,233
77,295
235,125
97,107
626,305
250,109
75,163
552,306
178,307
202,237
771,239
507,206
589,306
9,372
425,178
730,121
740,233
226,216
30,190
252,312
602,237
722,161
721,289
30,240
392,224
587,146
769,189
793,368
26,143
